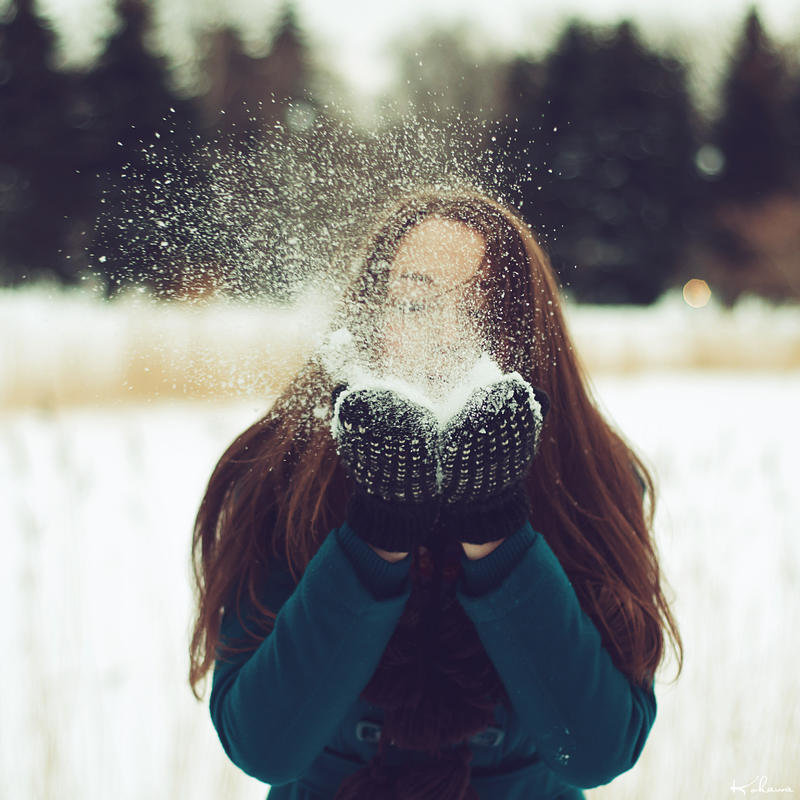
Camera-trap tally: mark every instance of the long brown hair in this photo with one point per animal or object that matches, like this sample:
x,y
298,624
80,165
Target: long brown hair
x,y
279,488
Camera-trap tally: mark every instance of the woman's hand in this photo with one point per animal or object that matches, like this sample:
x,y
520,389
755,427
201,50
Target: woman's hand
x,y
476,551
389,556
486,449
388,446
491,442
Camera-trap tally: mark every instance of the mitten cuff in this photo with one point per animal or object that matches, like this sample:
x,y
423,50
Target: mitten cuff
x,y
397,527
383,578
478,522
481,575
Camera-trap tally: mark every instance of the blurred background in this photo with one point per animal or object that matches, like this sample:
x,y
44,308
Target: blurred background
x,y
174,177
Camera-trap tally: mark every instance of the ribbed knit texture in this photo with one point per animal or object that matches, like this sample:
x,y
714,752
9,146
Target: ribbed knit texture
x,y
387,579
388,446
481,575
393,526
383,578
482,521
490,444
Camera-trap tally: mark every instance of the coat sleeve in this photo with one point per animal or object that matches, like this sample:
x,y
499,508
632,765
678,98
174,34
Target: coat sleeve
x,y
275,707
589,720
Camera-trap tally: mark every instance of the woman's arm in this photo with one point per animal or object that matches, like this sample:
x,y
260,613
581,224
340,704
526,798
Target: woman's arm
x,y
276,707
589,720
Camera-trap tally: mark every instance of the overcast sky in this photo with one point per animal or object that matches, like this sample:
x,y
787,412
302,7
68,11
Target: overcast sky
x,y
354,33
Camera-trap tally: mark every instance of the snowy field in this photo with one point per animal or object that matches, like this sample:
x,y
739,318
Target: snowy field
x,y
100,497
62,347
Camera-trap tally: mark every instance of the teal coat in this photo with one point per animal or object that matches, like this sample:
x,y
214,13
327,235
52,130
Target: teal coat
x,y
289,712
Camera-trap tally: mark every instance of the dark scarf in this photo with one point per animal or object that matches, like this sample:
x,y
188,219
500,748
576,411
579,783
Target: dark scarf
x,y
437,687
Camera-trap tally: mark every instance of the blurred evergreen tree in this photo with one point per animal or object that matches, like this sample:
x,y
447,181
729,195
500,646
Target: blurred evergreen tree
x,y
246,92
749,242
233,98
39,137
140,129
444,72
610,134
754,131
525,147
258,107
440,113
793,125
288,66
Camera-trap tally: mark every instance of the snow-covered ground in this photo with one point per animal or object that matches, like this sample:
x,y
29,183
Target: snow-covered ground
x,y
100,501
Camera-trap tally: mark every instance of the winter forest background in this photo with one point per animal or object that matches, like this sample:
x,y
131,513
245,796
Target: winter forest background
x,y
654,183
159,283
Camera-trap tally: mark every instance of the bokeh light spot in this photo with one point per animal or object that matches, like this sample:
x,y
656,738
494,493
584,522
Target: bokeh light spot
x,y
696,292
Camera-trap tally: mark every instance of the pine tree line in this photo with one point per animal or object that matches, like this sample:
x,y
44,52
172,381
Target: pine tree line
x,y
633,190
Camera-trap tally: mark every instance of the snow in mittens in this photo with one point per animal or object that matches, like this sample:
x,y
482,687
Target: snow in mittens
x,y
339,356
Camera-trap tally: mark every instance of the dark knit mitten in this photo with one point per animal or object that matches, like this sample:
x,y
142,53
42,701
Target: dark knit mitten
x,y
388,446
486,450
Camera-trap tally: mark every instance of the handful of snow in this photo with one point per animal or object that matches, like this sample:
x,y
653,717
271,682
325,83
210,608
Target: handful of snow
x,y
339,356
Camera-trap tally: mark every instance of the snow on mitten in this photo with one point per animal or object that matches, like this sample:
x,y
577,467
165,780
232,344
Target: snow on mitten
x,y
486,450
388,445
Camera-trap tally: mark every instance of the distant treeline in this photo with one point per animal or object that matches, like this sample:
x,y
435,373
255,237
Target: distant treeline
x,y
634,190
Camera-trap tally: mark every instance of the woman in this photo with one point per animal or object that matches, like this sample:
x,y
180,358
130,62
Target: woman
x,y
466,637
